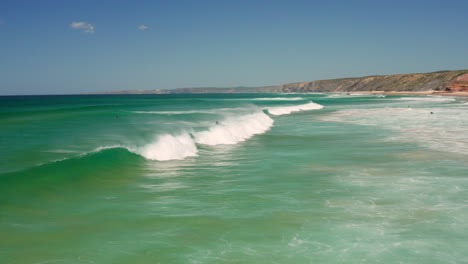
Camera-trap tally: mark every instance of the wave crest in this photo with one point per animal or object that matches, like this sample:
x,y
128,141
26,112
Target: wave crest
x,y
169,147
235,129
285,110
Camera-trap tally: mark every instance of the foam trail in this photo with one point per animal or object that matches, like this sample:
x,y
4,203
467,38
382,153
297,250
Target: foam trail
x,y
285,110
428,99
235,129
169,147
279,99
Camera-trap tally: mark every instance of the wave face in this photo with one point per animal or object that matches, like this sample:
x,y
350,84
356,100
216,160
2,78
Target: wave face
x,y
235,129
286,110
169,147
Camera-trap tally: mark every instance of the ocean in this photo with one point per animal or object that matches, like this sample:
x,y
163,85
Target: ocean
x,y
233,178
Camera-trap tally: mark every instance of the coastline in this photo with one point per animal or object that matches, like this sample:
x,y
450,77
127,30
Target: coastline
x,y
463,94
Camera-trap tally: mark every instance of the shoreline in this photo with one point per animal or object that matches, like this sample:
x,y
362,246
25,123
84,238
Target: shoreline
x,y
463,94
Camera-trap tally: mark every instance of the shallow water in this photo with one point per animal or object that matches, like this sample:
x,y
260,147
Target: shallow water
x,y
249,178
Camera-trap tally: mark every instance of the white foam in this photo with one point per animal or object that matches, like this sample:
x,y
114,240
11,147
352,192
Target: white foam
x,y
428,99
235,129
285,110
279,99
169,147
441,128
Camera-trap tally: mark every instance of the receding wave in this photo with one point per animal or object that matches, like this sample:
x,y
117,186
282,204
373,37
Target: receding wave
x,y
285,110
235,129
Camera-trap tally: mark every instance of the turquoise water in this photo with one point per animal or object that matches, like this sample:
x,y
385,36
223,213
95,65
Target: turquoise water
x,y
246,178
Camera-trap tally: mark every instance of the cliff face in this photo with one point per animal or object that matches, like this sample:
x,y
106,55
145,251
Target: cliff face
x,y
435,81
460,84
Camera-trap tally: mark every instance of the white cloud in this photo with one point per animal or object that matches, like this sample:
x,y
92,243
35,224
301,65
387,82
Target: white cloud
x,y
142,27
85,26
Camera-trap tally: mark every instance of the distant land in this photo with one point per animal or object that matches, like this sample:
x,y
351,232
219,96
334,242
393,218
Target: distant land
x,y
435,82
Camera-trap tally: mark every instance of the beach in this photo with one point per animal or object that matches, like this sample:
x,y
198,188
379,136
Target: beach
x,y
411,93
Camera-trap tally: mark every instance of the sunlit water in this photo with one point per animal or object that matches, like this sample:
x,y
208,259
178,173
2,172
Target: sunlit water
x,y
254,178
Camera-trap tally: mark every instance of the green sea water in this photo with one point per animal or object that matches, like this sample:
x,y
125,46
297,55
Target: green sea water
x,y
236,178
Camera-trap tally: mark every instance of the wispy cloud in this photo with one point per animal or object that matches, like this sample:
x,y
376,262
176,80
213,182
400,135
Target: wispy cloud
x,y
84,26
142,27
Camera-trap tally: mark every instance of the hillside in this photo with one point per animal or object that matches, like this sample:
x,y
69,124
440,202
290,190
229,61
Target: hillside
x,y
434,81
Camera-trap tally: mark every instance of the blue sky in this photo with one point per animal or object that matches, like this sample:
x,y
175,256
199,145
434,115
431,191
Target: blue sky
x,y
199,43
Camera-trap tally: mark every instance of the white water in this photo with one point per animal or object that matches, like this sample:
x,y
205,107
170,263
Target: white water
x,y
235,129
169,147
232,130
444,129
285,110
279,99
428,99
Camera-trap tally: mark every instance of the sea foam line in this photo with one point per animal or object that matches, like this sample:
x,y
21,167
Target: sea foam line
x,y
279,99
428,99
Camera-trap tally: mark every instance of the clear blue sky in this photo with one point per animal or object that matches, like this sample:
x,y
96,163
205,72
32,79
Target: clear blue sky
x,y
218,43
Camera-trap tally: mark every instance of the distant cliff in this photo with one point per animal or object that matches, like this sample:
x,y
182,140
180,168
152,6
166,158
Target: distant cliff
x,y
434,81
443,81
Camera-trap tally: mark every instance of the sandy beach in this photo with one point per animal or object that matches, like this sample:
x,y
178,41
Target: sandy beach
x,y
412,93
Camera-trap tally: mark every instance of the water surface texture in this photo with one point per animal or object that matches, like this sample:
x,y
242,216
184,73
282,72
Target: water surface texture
x,y
240,178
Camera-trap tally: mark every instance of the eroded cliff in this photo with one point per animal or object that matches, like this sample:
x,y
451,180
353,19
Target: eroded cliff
x,y
435,81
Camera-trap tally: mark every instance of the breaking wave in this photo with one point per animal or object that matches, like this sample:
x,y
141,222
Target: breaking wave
x,y
231,130
235,129
169,147
285,110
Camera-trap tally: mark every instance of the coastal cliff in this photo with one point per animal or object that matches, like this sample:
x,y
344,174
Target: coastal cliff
x,y
441,81
444,81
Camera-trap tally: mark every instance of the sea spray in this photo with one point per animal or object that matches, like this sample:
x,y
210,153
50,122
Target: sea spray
x,y
169,147
235,129
285,110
